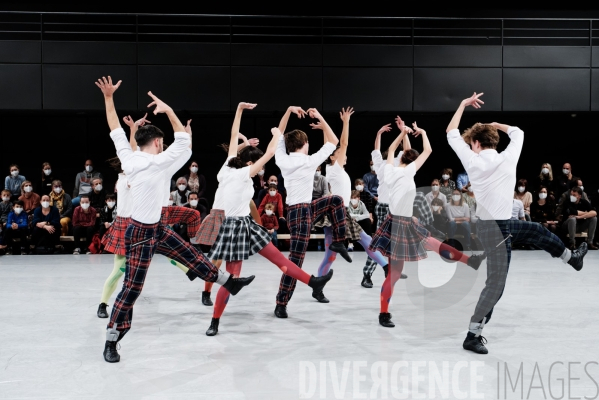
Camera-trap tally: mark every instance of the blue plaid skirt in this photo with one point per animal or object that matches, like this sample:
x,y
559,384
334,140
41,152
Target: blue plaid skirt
x,y
239,238
400,238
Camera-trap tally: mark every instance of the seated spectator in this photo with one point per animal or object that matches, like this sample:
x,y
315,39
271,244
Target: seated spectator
x,y
45,226
196,182
578,215
424,213
107,214
97,197
359,212
462,182
563,182
518,210
180,196
446,185
575,182
435,193
545,179
30,200
196,203
13,182
45,184
83,181
84,224
458,214
62,201
542,211
439,215
272,180
521,193
470,200
273,197
364,197
17,226
371,184
259,183
321,185
270,222
5,209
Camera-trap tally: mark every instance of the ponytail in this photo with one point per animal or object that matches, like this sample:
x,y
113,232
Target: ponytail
x,y
236,163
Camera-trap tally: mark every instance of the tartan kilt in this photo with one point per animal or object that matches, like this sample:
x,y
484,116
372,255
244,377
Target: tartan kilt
x,y
238,239
381,210
114,238
352,228
324,221
210,227
400,238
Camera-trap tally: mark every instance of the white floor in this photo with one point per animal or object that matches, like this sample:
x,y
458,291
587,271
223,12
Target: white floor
x,y
51,341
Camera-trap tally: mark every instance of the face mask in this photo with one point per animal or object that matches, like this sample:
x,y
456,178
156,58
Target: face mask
x,y
542,196
89,168
98,187
435,188
261,172
317,173
566,171
170,202
57,190
359,188
521,189
354,202
545,171
5,198
445,177
14,173
581,188
85,206
18,210
194,169
268,212
470,189
456,197
47,172
436,208
272,192
372,167
272,183
193,203
181,187
573,199
110,204
27,189
45,204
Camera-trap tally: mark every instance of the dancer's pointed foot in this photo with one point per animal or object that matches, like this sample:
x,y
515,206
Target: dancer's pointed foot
x,y
111,354
102,313
576,259
475,344
475,260
318,283
366,281
339,247
320,297
234,285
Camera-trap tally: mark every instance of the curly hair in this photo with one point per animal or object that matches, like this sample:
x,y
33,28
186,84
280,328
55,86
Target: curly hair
x,y
487,135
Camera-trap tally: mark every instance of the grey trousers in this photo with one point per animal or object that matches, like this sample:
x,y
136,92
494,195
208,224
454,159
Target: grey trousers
x,y
573,225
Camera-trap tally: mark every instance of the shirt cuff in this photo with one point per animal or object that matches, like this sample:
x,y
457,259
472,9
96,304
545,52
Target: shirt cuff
x,y
453,134
116,132
183,135
330,146
513,129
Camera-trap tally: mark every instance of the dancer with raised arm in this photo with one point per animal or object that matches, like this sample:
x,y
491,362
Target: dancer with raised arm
x,y
400,237
298,169
240,236
146,175
493,177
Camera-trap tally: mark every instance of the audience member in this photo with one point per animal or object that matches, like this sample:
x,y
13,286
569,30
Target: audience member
x,y
273,197
45,226
17,226
470,200
578,215
263,192
575,182
446,186
321,185
364,197
13,182
45,184
107,214
545,179
521,193
518,210
371,183
84,224
97,197
435,193
30,200
462,181
83,181
542,211
270,222
563,182
359,212
180,196
458,214
5,209
196,182
62,201
439,215
259,184
199,204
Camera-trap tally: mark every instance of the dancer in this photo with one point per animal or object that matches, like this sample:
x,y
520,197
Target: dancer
x,y
297,169
240,236
400,237
493,177
146,171
341,186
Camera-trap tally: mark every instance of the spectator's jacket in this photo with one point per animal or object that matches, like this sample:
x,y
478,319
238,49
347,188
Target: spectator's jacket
x,y
270,221
97,200
14,184
83,182
20,219
277,201
31,203
573,208
81,218
53,217
107,214
5,209
371,184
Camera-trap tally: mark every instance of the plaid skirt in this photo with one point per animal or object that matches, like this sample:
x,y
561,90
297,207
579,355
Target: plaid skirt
x,y
210,227
238,239
114,238
352,228
400,238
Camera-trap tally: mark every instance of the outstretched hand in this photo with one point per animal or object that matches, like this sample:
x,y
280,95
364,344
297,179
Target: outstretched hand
x,y
317,125
161,106
106,86
473,101
247,106
417,131
140,122
187,127
313,113
385,128
345,114
254,142
298,111
276,132
399,122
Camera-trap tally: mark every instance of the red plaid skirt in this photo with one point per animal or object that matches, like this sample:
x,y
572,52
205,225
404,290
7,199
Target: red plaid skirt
x,y
400,238
210,226
114,238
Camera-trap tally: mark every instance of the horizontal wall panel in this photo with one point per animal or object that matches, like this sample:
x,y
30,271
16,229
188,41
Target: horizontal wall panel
x,y
72,87
185,87
545,89
297,55
184,53
21,52
97,53
21,86
595,90
439,89
368,89
547,56
276,88
367,56
457,56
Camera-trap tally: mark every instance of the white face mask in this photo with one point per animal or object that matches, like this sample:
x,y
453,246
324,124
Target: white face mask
x,y
5,198
581,188
193,203
445,177
57,190
85,206
18,210
272,183
194,169
317,173
170,202
545,171
181,187
110,204
272,192
45,204
27,189
47,172
354,201
470,189
268,212
372,167
566,171
435,188
359,188
542,196
14,173
456,197
573,199
521,189
261,172
436,208
98,187
89,168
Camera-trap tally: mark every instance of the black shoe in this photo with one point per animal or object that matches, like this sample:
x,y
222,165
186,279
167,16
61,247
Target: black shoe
x,y
234,285
206,299
385,320
102,313
191,275
281,311
366,281
213,329
339,247
110,353
320,297
476,344
474,260
318,283
577,256
386,270
403,276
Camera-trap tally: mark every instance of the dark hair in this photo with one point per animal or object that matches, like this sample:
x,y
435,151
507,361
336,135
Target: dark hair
x,y
295,140
522,182
145,134
84,196
57,182
13,165
110,196
437,202
115,163
194,161
250,153
355,193
574,182
46,164
358,180
236,163
409,156
486,134
385,154
577,190
196,193
272,186
449,172
18,203
269,205
328,161
461,198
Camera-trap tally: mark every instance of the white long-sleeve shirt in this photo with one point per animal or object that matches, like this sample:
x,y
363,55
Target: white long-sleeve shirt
x,y
379,167
125,207
400,181
147,174
492,174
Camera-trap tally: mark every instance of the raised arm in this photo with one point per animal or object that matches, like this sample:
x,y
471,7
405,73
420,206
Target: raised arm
x,y
473,101
292,109
270,152
108,89
394,146
133,126
426,152
377,140
344,141
406,140
188,130
233,144
329,134
162,107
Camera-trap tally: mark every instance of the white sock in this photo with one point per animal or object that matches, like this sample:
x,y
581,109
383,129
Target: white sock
x,y
223,277
477,327
566,255
112,335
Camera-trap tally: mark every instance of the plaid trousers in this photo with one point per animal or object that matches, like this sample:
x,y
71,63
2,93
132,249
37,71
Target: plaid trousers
x,y
141,242
299,220
182,215
491,233
381,210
